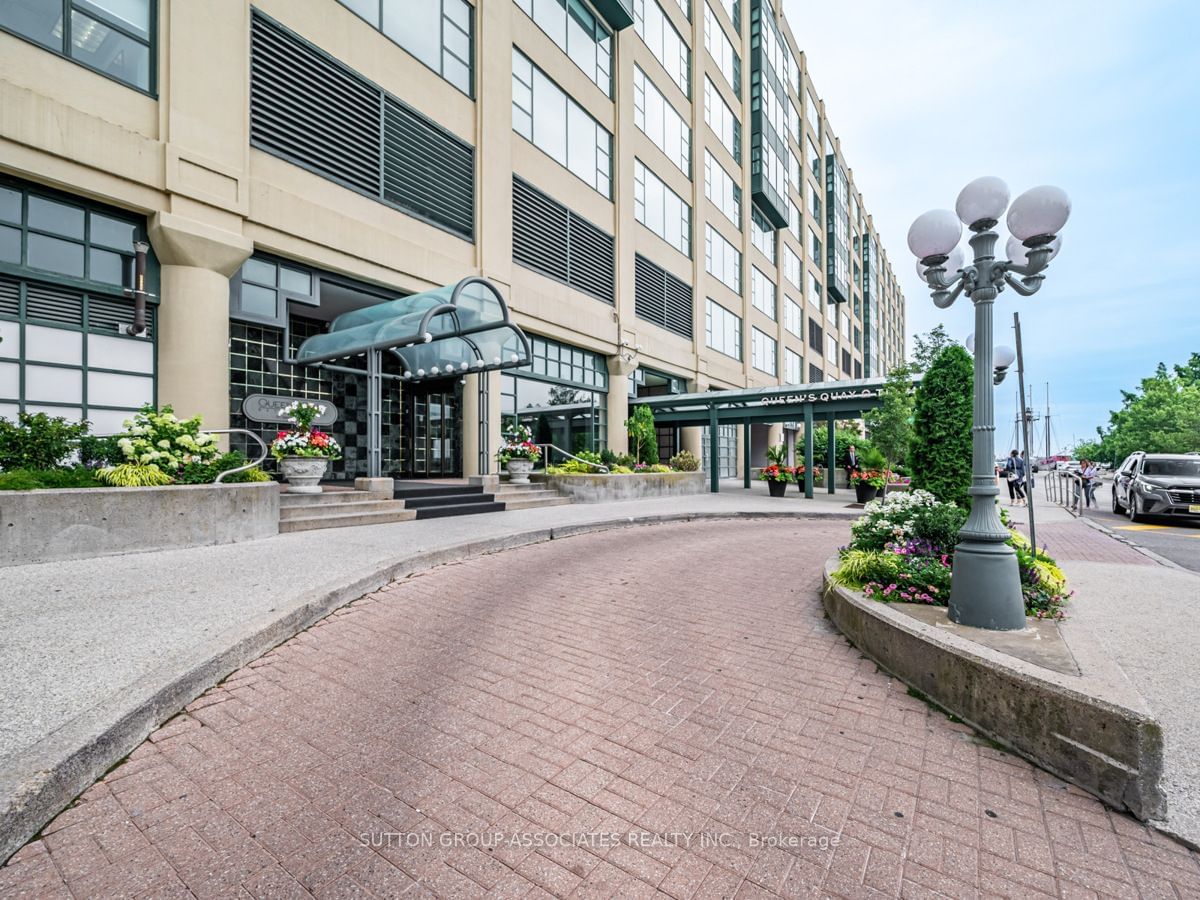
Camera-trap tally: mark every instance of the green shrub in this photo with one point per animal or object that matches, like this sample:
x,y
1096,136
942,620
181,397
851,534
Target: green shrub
x,y
38,442
19,480
842,439
871,459
940,456
858,567
907,516
608,457
133,475
621,470
97,452
206,473
685,461
642,436
75,477
626,460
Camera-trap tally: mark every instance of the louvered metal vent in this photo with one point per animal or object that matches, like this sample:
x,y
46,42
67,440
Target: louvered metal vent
x,y
53,304
316,113
10,297
550,239
308,109
109,315
428,171
661,298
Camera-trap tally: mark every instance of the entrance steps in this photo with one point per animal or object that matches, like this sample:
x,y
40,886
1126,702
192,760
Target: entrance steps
x,y
528,496
338,509
431,500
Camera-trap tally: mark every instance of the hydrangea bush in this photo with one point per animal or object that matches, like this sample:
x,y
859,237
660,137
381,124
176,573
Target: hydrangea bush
x,y
160,439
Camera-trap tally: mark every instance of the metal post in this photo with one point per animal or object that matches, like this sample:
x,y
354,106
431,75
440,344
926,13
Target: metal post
x,y
830,455
484,423
374,414
985,591
746,454
808,451
1025,435
714,484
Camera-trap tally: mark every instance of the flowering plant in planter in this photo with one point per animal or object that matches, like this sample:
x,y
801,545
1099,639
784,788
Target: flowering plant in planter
x,y
304,440
869,478
518,444
798,471
775,472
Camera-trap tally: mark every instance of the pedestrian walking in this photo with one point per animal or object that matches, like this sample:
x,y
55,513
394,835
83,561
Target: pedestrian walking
x,y
1090,476
1014,473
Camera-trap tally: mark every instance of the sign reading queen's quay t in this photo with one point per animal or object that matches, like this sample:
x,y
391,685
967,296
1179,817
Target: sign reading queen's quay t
x,y
821,396
266,408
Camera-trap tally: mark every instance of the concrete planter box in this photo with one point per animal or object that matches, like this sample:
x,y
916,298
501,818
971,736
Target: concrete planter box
x,y
49,525
604,488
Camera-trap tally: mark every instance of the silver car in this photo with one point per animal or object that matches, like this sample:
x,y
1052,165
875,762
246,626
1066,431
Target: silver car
x,y
1157,484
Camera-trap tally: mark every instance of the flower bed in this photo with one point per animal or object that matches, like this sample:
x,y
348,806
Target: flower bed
x,y
902,547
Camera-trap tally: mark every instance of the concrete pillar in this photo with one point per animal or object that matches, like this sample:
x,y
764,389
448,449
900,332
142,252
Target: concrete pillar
x,y
193,316
473,414
774,435
830,454
691,439
620,367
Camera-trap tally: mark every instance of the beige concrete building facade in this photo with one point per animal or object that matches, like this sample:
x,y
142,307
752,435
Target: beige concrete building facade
x,y
653,185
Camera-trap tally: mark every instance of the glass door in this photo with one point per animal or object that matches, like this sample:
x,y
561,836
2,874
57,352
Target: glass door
x,y
433,432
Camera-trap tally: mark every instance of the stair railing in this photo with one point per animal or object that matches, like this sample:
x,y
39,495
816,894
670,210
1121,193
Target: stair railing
x,y
546,448
250,465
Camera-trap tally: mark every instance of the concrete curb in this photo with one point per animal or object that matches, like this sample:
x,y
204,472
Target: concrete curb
x,y
1120,538
1107,748
42,780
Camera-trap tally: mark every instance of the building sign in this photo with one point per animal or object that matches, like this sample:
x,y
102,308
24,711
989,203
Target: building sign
x,y
266,408
821,396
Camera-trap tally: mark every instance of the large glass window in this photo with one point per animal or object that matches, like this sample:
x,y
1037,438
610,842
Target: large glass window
x,y
831,349
545,116
762,292
437,32
661,210
721,50
793,318
791,268
721,120
722,190
763,352
814,292
114,37
657,32
762,235
660,122
793,367
562,396
722,260
723,330
811,112
814,246
579,33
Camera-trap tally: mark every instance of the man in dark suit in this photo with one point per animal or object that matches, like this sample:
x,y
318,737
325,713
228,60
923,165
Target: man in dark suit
x,y
851,461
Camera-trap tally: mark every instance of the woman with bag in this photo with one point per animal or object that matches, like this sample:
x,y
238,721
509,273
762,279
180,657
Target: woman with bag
x,y
1014,472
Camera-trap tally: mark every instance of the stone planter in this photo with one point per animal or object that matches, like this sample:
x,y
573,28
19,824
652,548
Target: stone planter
x,y
638,486
777,488
304,473
865,493
518,470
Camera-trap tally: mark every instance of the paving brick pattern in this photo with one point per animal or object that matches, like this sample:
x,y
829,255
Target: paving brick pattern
x,y
1079,541
656,683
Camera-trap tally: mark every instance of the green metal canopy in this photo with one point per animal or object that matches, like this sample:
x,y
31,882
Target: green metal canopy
x,y
451,330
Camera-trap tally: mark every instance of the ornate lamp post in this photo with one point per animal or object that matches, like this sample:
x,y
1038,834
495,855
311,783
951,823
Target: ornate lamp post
x,y
986,588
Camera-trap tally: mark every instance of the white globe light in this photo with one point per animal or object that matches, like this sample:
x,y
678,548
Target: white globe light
x,y
983,198
971,343
934,233
496,360
420,373
408,373
449,367
433,370
515,358
1038,211
1003,357
1019,253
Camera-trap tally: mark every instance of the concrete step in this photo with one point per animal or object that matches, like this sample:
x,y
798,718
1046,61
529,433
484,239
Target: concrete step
x,y
409,491
326,498
344,519
457,509
555,500
505,493
309,510
428,502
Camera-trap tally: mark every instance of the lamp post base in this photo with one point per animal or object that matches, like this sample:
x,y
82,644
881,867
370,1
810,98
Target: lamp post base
x,y
985,590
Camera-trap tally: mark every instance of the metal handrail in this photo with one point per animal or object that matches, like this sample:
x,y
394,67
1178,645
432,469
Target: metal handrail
x,y
546,456
249,465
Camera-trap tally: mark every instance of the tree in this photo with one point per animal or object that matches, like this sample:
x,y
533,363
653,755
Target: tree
x,y
940,457
891,423
643,439
1161,416
927,347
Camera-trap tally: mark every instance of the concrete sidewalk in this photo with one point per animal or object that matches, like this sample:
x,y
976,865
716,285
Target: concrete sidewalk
x,y
96,653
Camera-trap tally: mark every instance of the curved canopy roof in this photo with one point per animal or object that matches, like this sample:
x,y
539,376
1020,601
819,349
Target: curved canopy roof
x,y
453,329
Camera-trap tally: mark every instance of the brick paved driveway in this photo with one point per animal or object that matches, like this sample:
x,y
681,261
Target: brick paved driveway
x,y
673,680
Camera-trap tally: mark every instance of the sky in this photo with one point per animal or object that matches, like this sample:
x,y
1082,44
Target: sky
x,y
1101,98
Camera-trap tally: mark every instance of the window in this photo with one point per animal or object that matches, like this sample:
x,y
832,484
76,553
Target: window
x,y
733,9
831,350
815,375
721,189
657,32
814,246
659,121
762,292
762,235
260,290
723,330
791,268
722,260
815,164
846,362
437,32
794,220
721,120
816,337
661,210
112,37
793,367
578,33
814,200
763,352
810,113
795,181
721,50
814,292
793,318
554,123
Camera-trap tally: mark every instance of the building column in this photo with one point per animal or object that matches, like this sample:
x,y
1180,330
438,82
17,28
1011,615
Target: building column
x,y
193,315
831,454
775,434
473,414
620,367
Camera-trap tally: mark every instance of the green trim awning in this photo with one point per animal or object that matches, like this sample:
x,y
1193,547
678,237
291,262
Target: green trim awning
x,y
459,328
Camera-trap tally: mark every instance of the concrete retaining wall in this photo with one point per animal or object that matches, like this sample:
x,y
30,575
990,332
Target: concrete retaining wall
x,y
1062,723
49,525
606,488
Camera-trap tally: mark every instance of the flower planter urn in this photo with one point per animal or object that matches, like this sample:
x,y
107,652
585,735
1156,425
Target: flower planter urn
x,y
304,473
518,470
865,493
777,488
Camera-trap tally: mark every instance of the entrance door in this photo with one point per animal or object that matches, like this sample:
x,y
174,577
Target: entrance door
x,y
433,431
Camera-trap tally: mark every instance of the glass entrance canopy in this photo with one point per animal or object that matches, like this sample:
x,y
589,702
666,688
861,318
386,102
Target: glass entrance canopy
x,y
451,330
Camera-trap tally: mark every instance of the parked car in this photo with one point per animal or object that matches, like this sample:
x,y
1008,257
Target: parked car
x,y
1157,484
1068,465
